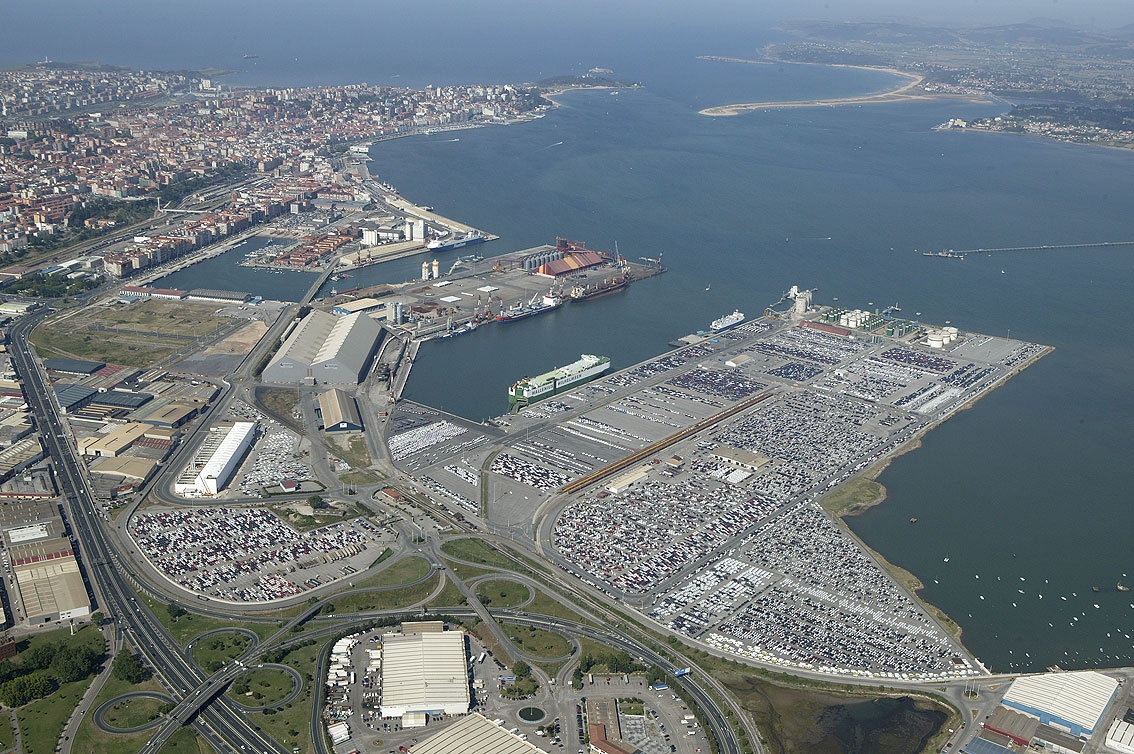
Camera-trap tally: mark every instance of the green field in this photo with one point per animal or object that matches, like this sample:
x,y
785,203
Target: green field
x,y
466,572
545,604
403,572
265,686
78,333
388,599
190,625
502,593
214,652
537,642
187,741
7,734
855,496
475,551
90,740
449,596
41,722
135,712
291,725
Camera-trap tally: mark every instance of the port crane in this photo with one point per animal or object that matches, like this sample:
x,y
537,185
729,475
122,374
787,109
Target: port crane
x,y
888,312
655,261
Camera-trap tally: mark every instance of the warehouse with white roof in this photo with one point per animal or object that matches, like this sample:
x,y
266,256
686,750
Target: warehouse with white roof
x,y
1073,702
327,349
474,734
216,460
424,673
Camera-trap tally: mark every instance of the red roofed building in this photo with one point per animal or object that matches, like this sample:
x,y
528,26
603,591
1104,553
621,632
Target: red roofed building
x,y
572,262
599,744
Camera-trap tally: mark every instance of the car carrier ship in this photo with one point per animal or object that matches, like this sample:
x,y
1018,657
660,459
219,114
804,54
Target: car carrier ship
x,y
727,322
531,389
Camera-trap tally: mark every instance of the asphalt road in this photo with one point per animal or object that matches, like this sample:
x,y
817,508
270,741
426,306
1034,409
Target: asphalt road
x,y
223,726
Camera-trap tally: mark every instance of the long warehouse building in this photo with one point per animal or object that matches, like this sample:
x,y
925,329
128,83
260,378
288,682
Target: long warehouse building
x,y
424,673
327,349
1073,702
216,460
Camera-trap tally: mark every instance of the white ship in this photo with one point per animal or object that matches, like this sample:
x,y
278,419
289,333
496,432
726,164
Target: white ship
x,y
531,389
726,322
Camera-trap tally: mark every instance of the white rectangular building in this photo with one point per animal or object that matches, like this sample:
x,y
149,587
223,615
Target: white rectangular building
x,y
424,673
216,460
1071,702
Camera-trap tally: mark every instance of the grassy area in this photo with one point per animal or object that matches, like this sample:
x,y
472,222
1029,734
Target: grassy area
x,y
134,712
7,733
291,724
184,628
476,551
502,593
85,635
90,740
632,706
403,572
466,572
279,400
537,642
545,604
385,600
799,716
450,596
80,333
265,686
353,451
359,478
855,496
322,516
214,652
41,722
187,741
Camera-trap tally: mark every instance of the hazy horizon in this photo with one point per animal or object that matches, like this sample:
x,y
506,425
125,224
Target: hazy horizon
x,y
125,32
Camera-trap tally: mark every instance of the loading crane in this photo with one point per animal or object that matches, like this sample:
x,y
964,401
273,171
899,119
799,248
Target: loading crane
x,y
655,261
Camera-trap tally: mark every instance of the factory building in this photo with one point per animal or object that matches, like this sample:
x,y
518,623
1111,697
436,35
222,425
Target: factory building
x,y
324,348
571,262
1070,702
474,734
73,366
1120,736
627,479
216,460
339,412
214,296
358,305
48,581
424,672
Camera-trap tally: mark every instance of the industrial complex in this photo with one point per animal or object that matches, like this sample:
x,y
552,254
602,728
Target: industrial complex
x,y
326,349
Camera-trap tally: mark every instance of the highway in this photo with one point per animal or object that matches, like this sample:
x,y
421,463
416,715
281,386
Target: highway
x,y
226,729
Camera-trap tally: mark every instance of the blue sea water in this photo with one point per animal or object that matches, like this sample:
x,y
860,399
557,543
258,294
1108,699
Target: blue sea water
x,y
1033,482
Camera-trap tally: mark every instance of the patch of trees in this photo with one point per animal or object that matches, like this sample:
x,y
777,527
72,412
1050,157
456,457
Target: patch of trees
x,y
42,668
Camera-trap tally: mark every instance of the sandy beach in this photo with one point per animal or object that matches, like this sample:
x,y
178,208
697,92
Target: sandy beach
x,y
894,95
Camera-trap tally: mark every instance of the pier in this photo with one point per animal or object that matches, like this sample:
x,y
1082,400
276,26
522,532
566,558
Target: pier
x,y
962,253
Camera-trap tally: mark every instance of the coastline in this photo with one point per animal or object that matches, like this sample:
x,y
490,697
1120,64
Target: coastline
x,y
898,94
978,129
907,578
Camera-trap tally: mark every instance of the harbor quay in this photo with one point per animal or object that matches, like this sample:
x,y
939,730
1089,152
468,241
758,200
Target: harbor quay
x,y
455,293
690,487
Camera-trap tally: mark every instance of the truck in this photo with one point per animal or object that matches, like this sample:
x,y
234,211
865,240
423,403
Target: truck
x,y
481,658
683,671
659,686
590,679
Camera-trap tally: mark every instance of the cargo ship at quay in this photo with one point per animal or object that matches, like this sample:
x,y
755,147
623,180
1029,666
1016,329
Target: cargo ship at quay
x,y
549,302
531,389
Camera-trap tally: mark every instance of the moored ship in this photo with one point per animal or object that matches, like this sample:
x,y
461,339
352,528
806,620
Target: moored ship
x,y
531,389
608,286
727,322
456,243
549,302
